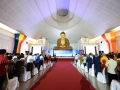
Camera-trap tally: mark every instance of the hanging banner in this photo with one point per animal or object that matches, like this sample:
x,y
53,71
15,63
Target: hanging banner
x,y
18,40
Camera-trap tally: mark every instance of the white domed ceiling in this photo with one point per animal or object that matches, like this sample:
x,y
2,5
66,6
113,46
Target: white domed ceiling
x,y
47,18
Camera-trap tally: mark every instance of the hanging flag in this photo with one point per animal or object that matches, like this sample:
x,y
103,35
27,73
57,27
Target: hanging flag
x,y
18,40
110,39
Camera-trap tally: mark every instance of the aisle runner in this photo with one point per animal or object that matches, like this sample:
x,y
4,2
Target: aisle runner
x,y
63,76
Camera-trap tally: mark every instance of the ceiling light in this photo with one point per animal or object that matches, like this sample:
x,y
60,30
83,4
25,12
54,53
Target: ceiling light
x,y
2,26
116,29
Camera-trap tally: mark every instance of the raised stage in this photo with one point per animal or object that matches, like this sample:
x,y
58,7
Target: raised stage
x,y
63,58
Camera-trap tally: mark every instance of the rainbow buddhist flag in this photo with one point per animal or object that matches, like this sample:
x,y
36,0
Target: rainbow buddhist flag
x,y
110,39
18,40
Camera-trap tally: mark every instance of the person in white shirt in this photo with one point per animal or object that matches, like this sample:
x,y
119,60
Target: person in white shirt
x,y
76,58
111,65
84,60
41,60
30,58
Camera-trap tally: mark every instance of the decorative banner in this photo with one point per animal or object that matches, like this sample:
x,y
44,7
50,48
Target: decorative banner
x,y
104,37
18,40
113,41
110,39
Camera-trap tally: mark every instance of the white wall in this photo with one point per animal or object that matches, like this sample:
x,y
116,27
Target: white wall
x,y
90,45
90,48
79,45
6,42
36,49
103,46
46,46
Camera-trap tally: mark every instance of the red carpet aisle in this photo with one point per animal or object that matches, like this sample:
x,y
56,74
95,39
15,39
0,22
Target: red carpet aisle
x,y
63,76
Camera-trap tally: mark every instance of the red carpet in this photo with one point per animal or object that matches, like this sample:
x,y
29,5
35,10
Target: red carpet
x,y
65,59
62,76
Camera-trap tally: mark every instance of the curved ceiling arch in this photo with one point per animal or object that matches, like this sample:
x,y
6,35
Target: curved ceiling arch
x,y
91,18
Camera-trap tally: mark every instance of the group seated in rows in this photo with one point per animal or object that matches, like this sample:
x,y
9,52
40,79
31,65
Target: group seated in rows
x,y
19,64
110,61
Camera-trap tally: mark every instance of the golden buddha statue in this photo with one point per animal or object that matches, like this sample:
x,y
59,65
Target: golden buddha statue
x,y
63,43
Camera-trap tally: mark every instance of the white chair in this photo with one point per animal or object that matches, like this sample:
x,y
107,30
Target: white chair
x,y
26,75
78,63
115,85
82,66
12,83
44,66
92,71
74,61
41,67
86,69
101,77
34,71
51,64
93,66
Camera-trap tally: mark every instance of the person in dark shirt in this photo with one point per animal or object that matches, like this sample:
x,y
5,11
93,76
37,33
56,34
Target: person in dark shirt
x,y
96,61
45,59
3,66
89,62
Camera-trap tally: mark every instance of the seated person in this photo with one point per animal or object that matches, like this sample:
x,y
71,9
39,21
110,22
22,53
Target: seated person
x,y
63,43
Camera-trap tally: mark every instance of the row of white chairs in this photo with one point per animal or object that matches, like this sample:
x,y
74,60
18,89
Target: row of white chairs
x,y
101,77
13,83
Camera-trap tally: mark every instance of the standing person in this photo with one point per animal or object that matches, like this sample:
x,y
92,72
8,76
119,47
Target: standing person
x,y
111,65
30,58
38,61
117,69
81,59
35,57
76,58
46,59
118,56
3,66
89,62
103,61
84,60
96,61
41,60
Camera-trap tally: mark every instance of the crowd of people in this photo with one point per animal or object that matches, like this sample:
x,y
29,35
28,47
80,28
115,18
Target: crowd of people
x,y
8,61
110,61
12,63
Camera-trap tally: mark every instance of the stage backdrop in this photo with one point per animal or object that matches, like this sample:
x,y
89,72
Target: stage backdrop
x,y
62,53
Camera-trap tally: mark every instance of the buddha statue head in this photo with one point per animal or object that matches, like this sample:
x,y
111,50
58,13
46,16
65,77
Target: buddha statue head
x,y
62,35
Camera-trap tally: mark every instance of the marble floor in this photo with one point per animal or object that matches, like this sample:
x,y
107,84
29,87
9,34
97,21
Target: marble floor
x,y
96,84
